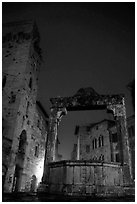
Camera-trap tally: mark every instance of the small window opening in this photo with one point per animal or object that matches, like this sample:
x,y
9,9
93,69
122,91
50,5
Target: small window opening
x,y
117,158
114,138
30,83
27,109
38,123
102,141
95,143
37,151
99,141
4,81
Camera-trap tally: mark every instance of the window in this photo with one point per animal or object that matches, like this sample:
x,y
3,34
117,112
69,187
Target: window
x,y
27,108
99,141
117,158
37,150
4,81
87,148
95,143
114,137
102,157
30,83
102,141
38,124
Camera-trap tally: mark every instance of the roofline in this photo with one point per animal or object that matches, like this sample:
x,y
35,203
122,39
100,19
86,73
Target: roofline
x,y
18,23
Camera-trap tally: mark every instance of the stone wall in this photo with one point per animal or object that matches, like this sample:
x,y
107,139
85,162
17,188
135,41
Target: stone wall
x,y
86,178
106,146
22,137
98,153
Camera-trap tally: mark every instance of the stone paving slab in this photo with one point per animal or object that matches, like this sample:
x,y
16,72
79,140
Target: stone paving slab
x,y
25,197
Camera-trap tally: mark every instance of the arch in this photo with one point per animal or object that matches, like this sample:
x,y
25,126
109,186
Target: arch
x,y
17,179
88,99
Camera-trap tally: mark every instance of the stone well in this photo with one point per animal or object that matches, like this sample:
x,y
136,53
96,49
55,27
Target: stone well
x,y
85,178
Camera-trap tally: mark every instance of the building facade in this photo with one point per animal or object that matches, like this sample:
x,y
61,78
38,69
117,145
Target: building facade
x,y
131,137
97,142
24,122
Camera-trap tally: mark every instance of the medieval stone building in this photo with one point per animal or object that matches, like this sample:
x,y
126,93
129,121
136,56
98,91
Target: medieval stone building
x,y
131,126
97,142
131,135
25,122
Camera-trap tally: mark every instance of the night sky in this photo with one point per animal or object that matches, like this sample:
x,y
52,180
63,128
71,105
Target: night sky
x,y
83,45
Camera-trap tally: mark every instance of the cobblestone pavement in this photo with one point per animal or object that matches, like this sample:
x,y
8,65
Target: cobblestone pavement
x,y
23,197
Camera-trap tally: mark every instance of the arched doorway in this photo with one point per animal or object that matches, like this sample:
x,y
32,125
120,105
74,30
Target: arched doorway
x,y
33,183
19,162
17,179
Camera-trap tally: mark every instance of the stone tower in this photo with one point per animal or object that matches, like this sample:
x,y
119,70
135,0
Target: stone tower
x,y
23,137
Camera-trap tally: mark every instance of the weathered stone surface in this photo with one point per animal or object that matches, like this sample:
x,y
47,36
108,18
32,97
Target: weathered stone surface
x,y
24,123
100,179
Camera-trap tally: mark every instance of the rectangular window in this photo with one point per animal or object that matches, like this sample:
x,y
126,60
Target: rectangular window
x,y
4,81
93,144
117,158
99,141
102,141
38,124
37,151
27,109
114,137
87,148
30,83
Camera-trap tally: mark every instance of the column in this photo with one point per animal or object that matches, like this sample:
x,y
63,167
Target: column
x,y
119,111
78,147
50,154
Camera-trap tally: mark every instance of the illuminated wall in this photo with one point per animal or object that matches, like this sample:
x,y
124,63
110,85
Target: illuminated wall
x,y
24,124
